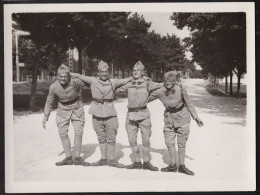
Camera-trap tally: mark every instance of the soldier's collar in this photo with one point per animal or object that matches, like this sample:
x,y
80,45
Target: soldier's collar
x,y
103,82
138,81
169,91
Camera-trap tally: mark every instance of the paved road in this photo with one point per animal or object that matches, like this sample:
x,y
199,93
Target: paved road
x,y
216,152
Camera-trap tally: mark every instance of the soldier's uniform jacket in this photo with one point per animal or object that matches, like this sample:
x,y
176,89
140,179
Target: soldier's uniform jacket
x,y
102,90
175,98
68,99
138,94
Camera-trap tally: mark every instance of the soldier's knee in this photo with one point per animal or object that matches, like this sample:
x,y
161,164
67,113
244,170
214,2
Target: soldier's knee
x,y
146,143
63,134
78,132
111,140
102,139
133,143
170,144
181,144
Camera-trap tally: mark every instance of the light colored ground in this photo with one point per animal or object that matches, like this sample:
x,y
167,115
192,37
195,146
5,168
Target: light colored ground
x,y
216,151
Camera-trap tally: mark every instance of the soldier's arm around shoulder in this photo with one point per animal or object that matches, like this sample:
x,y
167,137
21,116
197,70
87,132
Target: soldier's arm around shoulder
x,y
85,79
119,82
152,86
154,95
123,88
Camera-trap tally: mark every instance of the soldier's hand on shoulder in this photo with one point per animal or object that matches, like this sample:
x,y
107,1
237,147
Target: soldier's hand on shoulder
x,y
199,122
74,75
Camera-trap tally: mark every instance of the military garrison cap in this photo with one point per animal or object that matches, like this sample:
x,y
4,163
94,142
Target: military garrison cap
x,y
171,76
102,65
63,69
139,65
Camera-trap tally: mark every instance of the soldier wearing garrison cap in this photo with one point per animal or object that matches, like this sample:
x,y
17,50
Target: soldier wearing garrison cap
x,y
105,121
178,106
70,108
138,116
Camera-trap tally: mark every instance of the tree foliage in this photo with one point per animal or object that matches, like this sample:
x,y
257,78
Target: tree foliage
x,y
217,42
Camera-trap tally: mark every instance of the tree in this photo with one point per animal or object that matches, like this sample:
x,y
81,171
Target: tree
x,y
38,25
217,41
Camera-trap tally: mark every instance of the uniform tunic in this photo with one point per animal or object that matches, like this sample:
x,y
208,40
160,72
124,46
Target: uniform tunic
x,y
104,119
66,111
138,93
177,123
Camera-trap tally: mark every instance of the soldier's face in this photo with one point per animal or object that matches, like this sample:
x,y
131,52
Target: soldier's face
x,y
138,73
169,83
64,78
103,74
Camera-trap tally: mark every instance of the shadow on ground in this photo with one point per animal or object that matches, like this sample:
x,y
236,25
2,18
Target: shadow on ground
x,y
89,149
219,105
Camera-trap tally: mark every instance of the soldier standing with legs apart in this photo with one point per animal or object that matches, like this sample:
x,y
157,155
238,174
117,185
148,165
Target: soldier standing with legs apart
x,y
176,119
105,121
138,116
70,108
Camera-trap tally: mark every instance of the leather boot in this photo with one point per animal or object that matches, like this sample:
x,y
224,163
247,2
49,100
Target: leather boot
x,y
148,166
135,165
101,162
66,161
77,145
103,150
115,163
183,169
80,161
66,145
111,151
170,168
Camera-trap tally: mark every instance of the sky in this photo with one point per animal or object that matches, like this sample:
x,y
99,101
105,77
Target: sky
x,y
162,24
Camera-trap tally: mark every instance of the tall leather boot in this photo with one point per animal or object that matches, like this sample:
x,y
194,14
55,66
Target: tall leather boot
x,y
77,150
146,156
112,162
67,149
137,164
103,151
172,167
65,141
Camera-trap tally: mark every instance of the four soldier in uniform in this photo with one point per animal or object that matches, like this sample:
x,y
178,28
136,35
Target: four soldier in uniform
x,y
140,90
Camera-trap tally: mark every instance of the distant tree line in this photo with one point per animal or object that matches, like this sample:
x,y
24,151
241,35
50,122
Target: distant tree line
x,y
119,38
217,42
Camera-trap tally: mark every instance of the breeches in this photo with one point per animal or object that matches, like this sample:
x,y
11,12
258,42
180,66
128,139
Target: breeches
x,y
106,129
132,130
63,124
182,134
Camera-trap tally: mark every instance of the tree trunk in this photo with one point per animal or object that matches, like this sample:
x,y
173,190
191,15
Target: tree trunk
x,y
238,83
226,84
34,82
231,84
80,60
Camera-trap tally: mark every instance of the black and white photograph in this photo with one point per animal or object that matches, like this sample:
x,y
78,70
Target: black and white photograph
x,y
129,97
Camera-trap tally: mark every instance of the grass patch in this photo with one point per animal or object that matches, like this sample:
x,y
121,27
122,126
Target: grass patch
x,y
216,92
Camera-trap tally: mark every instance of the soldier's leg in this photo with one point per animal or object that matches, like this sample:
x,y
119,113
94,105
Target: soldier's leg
x,y
111,129
99,127
146,132
182,137
169,137
63,125
78,124
132,129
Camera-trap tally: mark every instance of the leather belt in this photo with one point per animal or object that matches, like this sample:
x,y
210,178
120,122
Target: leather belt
x,y
136,109
102,100
174,110
70,102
